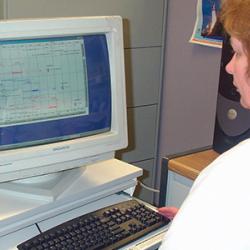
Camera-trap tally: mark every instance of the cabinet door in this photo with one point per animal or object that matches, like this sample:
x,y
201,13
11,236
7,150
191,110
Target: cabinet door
x,y
177,189
141,134
143,67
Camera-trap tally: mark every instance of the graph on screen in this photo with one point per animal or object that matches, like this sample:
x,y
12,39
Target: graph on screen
x,y
42,79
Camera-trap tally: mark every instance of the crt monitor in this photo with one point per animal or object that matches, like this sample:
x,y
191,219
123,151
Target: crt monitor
x,y
62,94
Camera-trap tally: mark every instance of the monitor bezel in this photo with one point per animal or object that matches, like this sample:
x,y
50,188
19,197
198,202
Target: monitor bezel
x,y
43,159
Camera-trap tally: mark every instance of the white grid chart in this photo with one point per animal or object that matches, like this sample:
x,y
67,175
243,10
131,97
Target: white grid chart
x,y
41,80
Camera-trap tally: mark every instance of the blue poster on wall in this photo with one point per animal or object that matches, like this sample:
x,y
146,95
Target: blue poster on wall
x,y
208,29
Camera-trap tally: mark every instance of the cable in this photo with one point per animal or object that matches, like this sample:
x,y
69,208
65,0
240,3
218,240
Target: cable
x,y
149,188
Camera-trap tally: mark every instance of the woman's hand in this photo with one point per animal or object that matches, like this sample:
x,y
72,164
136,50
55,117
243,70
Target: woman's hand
x,y
168,212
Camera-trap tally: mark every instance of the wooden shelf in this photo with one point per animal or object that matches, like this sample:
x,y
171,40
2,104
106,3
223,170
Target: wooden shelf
x,y
191,165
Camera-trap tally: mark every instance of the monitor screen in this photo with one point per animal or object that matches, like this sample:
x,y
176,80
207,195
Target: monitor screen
x,y
62,94
53,89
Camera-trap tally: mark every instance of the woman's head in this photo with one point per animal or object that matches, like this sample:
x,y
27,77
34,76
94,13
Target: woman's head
x,y
235,16
238,68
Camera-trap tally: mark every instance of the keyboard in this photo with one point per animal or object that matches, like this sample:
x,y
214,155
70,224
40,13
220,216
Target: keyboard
x,y
108,228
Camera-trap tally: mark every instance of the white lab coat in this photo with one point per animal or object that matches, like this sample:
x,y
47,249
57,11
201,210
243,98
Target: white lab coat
x,y
216,213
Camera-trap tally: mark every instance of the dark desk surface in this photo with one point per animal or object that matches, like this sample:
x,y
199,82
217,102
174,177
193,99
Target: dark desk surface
x,y
190,165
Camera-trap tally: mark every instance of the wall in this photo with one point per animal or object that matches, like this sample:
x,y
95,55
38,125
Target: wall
x,y
189,94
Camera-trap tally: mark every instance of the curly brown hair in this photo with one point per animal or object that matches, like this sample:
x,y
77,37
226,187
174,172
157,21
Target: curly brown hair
x,y
235,17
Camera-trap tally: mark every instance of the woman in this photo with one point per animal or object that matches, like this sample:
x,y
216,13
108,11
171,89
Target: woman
x,y
216,213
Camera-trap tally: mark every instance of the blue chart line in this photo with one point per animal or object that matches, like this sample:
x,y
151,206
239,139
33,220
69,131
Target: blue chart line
x,y
42,80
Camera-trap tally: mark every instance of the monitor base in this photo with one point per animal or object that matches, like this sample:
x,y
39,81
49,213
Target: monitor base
x,y
45,187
